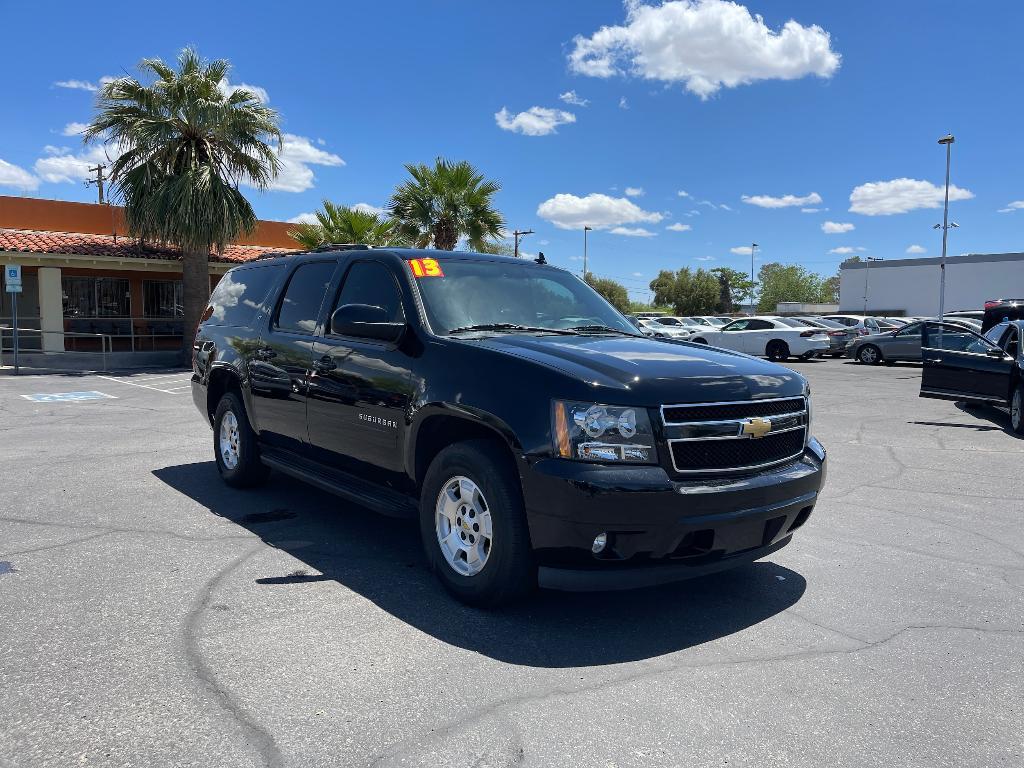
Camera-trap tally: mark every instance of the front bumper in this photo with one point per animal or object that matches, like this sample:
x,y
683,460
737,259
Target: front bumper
x,y
660,529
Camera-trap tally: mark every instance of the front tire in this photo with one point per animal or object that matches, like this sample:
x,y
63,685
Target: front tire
x,y
777,351
1017,409
473,525
235,446
869,354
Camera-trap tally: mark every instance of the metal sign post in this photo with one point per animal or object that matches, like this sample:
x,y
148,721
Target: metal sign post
x,y
12,279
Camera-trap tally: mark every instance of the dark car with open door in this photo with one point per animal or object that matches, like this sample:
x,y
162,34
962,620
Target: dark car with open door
x,y
960,364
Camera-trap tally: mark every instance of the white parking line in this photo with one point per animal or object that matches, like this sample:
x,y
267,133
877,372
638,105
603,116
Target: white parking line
x,y
166,391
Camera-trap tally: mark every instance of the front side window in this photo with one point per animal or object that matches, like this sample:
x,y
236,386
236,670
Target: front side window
x,y
913,329
473,293
370,282
669,321
952,338
739,325
300,306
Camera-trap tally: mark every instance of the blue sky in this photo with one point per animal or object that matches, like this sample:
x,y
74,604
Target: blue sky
x,y
775,118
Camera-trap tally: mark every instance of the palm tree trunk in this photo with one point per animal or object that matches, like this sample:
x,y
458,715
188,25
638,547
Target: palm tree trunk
x,y
445,235
195,290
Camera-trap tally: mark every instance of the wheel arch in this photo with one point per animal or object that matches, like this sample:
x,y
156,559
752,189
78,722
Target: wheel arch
x,y
223,379
437,427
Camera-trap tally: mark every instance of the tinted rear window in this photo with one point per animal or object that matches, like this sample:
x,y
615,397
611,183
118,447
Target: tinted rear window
x,y
240,294
300,307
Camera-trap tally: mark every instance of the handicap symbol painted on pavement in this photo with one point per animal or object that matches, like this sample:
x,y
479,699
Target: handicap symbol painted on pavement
x,y
68,397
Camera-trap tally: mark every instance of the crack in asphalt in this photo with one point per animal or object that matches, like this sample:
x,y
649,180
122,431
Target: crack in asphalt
x,y
51,547
118,529
259,737
407,746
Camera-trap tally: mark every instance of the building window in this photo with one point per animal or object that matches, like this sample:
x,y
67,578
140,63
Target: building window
x,y
162,298
96,297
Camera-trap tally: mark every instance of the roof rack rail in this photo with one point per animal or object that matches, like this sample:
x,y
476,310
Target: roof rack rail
x,y
273,255
341,247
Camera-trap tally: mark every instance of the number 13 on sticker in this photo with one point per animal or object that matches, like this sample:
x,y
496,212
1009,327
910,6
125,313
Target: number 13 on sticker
x,y
425,268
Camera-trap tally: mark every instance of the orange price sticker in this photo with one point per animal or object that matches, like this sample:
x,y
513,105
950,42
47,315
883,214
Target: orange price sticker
x,y
425,268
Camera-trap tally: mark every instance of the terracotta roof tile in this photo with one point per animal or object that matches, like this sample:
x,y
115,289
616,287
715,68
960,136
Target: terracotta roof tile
x,y
73,243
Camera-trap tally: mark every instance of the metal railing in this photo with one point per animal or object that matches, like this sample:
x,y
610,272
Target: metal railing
x,y
7,343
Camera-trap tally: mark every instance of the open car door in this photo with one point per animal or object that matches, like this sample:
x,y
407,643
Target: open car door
x,y
961,365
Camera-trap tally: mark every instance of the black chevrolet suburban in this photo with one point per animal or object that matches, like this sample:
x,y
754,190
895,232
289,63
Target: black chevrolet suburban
x,y
538,437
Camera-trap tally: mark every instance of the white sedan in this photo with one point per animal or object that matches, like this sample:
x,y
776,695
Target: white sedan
x,y
651,327
777,338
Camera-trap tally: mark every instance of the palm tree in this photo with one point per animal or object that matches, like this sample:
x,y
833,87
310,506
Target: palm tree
x,y
341,224
184,144
448,201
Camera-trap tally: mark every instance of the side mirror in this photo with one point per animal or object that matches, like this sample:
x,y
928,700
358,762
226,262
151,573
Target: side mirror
x,y
365,321
995,352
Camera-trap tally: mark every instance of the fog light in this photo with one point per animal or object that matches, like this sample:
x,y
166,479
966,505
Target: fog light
x,y
600,542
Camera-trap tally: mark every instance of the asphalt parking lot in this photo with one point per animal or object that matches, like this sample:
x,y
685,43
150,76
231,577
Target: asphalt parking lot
x,y
152,616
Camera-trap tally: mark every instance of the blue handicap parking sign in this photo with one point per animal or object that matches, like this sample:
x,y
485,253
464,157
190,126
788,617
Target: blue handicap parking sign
x,y
68,397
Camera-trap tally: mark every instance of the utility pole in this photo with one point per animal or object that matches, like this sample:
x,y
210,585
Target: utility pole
x,y
753,247
98,181
867,274
517,234
948,141
585,230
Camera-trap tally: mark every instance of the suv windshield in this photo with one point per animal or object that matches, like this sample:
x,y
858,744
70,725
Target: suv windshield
x,y
495,296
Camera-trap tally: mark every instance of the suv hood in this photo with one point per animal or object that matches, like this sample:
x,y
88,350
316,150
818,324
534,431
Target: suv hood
x,y
650,372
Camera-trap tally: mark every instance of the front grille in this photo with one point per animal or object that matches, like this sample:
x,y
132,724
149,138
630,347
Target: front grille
x,y
718,455
676,414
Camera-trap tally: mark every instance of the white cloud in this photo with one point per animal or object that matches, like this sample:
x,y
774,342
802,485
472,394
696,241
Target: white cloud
x,y
634,191
917,249
846,249
632,232
705,45
303,218
809,210
705,258
836,227
367,208
570,97
12,175
74,129
228,88
786,201
724,207
84,85
297,154
62,166
884,198
692,213
1016,205
638,274
677,227
741,250
595,210
623,103
683,193
709,204
536,121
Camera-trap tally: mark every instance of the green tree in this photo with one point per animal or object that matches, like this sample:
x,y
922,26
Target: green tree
x,y
696,293
786,282
664,288
185,145
445,202
613,292
341,224
734,287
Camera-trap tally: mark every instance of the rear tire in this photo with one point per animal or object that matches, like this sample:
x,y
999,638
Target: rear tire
x,y
869,354
234,445
777,351
473,482
1017,409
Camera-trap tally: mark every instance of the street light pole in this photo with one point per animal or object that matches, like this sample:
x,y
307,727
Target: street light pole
x,y
585,230
948,141
867,274
753,247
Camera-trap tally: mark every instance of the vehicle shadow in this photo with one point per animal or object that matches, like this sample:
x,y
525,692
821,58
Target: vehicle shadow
x,y
997,418
381,559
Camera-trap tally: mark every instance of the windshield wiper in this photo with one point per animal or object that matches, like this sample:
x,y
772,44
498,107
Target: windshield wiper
x,y
599,328
507,327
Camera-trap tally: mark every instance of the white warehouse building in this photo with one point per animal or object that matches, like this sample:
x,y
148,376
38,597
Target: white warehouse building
x,y
911,286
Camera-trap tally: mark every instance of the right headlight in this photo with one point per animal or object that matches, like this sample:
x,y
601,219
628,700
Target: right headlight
x,y
602,433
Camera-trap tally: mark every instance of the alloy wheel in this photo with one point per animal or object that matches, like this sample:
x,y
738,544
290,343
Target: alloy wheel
x,y
462,521
228,440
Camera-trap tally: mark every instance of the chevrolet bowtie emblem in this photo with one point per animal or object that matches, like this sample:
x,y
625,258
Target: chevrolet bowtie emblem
x,y
756,428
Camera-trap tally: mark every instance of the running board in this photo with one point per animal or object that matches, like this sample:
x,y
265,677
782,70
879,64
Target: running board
x,y
383,501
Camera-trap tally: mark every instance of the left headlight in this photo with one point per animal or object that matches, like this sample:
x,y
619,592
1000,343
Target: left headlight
x,y
602,433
